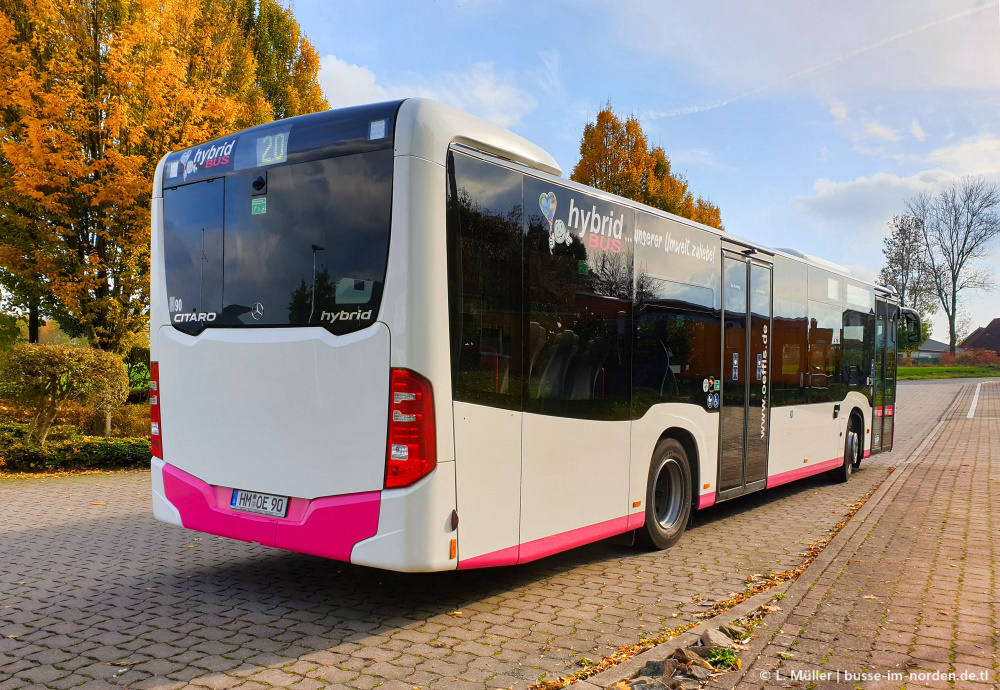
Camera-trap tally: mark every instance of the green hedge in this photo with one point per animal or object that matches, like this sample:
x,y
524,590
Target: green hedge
x,y
79,452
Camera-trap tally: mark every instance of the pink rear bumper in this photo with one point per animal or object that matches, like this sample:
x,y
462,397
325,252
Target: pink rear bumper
x,y
328,527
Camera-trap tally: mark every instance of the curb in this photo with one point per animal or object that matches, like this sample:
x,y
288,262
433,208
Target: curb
x,y
794,591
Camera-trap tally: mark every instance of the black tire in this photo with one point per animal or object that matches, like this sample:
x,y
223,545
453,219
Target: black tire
x,y
852,444
858,426
668,495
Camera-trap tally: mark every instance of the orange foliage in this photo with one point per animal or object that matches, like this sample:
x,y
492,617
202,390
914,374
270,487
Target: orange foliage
x,y
92,94
615,156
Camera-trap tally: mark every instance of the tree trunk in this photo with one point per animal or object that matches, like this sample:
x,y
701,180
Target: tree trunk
x,y
47,421
107,423
951,318
33,321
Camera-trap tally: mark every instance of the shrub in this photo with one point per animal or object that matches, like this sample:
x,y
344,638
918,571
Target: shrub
x,y
947,360
978,357
45,378
137,364
84,452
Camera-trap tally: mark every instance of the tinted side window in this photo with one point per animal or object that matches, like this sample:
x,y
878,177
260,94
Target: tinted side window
x,y
484,280
790,341
578,338
677,341
825,322
859,337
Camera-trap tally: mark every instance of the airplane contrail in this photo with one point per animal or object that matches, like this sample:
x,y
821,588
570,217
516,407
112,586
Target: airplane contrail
x,y
816,68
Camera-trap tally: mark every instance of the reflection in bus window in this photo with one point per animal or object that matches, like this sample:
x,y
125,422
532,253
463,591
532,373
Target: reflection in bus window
x,y
790,343
484,281
578,351
825,322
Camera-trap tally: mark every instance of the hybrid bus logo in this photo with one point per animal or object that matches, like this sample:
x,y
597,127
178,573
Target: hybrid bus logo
x,y
205,157
605,231
342,315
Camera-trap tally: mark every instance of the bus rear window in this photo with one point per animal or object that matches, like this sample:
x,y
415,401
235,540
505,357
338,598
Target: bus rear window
x,y
294,245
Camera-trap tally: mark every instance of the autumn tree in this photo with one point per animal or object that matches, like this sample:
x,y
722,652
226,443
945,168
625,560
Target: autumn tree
x,y
286,63
615,156
92,94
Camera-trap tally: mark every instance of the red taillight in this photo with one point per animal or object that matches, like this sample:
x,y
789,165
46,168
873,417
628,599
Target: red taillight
x,y
411,452
155,440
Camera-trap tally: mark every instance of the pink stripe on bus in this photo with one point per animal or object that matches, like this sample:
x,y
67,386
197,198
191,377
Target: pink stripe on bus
x,y
546,546
328,527
506,556
706,501
801,472
867,454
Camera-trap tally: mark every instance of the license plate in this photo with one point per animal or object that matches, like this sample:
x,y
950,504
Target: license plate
x,y
262,504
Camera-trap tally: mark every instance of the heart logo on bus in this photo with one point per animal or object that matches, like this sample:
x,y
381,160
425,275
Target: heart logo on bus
x,y
547,202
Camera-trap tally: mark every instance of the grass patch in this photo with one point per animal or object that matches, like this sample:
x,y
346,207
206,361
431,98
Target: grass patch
x,y
926,373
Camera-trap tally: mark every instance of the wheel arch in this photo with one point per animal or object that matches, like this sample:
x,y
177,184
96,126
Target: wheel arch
x,y
858,415
687,441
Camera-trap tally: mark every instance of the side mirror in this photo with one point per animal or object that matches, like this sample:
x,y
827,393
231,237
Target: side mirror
x,y
911,323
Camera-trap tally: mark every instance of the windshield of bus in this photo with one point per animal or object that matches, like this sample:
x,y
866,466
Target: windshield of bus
x,y
278,237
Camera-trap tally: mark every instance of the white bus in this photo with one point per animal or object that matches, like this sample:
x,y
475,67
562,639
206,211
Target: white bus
x,y
394,335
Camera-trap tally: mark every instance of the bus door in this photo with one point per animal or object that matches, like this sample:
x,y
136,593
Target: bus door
x,y
889,394
879,375
744,421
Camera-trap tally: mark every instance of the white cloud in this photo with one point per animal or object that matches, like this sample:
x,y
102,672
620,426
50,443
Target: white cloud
x,y
917,131
880,131
345,84
480,89
838,110
978,155
865,203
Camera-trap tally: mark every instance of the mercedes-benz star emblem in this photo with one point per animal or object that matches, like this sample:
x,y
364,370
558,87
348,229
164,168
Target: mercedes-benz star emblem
x,y
257,311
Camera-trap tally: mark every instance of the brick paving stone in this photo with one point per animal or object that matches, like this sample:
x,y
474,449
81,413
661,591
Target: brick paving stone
x,y
110,584
922,562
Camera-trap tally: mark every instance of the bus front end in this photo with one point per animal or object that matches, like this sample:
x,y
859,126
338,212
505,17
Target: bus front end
x,y
300,397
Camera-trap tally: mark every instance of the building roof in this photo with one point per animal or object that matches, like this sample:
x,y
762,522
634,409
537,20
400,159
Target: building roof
x,y
934,346
985,338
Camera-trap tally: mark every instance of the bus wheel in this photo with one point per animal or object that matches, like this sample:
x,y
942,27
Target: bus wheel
x,y
668,495
858,445
851,455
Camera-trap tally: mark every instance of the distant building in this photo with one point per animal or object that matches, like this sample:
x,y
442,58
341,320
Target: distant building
x,y
931,351
984,338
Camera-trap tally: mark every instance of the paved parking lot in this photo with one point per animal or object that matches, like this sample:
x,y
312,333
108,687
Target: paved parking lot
x,y
97,593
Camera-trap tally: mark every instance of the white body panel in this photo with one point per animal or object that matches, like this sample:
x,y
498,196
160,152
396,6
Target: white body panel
x,y
488,478
427,128
163,510
574,473
800,437
266,410
704,429
414,526
811,435
414,304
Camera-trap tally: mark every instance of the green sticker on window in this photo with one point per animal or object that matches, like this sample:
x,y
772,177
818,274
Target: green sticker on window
x,y
581,268
258,206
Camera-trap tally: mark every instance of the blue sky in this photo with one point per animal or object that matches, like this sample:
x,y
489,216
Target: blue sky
x,y
808,123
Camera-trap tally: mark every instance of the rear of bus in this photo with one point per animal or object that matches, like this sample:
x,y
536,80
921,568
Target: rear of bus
x,y
279,413
299,333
